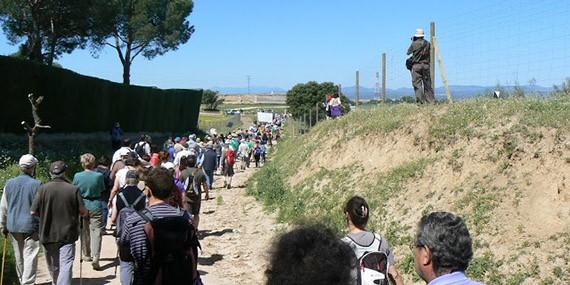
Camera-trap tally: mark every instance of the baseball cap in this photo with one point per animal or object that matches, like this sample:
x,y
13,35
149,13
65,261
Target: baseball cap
x,y
57,167
27,161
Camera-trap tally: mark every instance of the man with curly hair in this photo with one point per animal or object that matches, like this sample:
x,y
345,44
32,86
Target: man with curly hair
x,y
311,255
443,249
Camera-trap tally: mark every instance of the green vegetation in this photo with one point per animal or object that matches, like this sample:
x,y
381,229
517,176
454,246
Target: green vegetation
x,y
76,103
302,186
211,100
303,98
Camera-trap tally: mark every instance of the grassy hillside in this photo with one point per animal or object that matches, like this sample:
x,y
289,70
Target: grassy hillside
x,y
500,164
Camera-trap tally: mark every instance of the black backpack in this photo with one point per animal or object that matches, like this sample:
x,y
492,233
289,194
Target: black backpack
x,y
139,148
125,251
173,247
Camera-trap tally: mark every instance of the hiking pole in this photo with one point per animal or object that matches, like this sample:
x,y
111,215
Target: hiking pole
x,y
80,250
116,264
3,259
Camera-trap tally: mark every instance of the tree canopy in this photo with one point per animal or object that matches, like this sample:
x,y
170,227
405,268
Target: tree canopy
x,y
141,27
303,98
46,29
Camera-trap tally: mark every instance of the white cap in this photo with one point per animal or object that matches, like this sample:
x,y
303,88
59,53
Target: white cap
x,y
27,161
168,165
419,33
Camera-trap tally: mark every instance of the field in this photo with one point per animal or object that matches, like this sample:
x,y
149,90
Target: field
x,y
500,164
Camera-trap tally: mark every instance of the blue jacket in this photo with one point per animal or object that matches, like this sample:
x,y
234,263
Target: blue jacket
x,y
17,199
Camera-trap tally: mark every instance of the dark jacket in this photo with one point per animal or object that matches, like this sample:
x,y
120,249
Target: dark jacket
x,y
420,51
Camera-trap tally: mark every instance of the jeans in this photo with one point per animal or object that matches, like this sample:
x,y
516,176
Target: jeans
x,y
26,248
104,214
127,269
91,235
59,258
210,176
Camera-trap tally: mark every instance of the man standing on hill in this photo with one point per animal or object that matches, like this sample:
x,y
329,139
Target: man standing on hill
x,y
59,204
420,62
443,250
15,218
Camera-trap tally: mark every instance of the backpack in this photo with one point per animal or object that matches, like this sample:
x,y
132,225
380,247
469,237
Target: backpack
x,y
258,151
139,148
190,187
373,265
173,249
125,251
230,158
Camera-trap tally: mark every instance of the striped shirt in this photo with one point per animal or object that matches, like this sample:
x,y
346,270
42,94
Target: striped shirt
x,y
134,236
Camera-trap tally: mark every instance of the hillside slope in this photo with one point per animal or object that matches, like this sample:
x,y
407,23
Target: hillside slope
x,y
503,165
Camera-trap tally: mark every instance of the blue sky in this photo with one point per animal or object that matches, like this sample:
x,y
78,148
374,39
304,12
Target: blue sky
x,y
281,43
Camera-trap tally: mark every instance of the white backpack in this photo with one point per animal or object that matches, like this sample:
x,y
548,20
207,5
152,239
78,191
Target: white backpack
x,y
373,263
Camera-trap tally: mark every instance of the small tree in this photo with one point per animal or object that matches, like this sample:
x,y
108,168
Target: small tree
x,y
32,131
211,100
303,98
563,89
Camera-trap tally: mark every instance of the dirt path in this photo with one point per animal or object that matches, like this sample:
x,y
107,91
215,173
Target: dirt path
x,y
235,235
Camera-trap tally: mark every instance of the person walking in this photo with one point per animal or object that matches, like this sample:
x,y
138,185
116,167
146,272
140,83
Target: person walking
x,y
59,205
116,134
103,167
129,196
357,212
17,222
195,181
91,184
420,68
229,159
209,166
443,249
154,255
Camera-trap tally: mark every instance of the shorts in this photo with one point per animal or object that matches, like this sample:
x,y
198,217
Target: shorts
x,y
229,170
193,203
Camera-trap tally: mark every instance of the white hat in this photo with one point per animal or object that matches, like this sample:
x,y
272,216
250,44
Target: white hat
x,y
419,33
27,161
168,165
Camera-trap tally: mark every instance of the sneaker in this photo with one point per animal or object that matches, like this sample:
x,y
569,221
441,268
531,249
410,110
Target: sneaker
x,y
95,265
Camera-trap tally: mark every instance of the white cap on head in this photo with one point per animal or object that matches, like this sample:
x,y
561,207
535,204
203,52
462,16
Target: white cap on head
x,y
419,33
168,165
27,161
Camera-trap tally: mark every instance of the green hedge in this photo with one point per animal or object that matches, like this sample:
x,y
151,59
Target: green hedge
x,y
77,103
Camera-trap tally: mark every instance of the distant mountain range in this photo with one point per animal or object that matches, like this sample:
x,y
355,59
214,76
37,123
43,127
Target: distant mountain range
x,y
457,91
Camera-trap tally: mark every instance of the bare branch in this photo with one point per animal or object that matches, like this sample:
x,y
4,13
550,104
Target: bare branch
x,y
140,50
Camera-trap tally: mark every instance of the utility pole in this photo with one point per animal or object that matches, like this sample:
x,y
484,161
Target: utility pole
x,y
377,87
432,56
384,78
357,89
248,84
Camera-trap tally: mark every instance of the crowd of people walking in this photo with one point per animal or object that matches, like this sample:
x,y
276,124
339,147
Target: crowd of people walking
x,y
150,198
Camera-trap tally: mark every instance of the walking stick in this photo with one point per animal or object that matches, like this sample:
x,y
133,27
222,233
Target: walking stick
x,y
80,250
3,260
116,264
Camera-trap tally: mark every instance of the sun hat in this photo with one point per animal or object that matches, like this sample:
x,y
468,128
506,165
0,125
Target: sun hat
x,y
419,33
27,161
57,167
176,139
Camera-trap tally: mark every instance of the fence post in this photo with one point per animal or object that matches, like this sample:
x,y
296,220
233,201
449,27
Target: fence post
x,y
357,89
310,118
432,56
317,113
384,78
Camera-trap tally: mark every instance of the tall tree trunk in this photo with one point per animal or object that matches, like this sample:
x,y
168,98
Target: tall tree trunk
x,y
127,72
31,138
52,44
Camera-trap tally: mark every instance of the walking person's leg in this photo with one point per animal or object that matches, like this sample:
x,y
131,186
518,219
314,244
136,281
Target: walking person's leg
x,y
85,240
126,272
51,251
66,256
417,83
428,89
17,240
31,251
96,232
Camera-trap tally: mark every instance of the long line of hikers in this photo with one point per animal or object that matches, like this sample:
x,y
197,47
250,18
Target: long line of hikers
x,y
151,202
